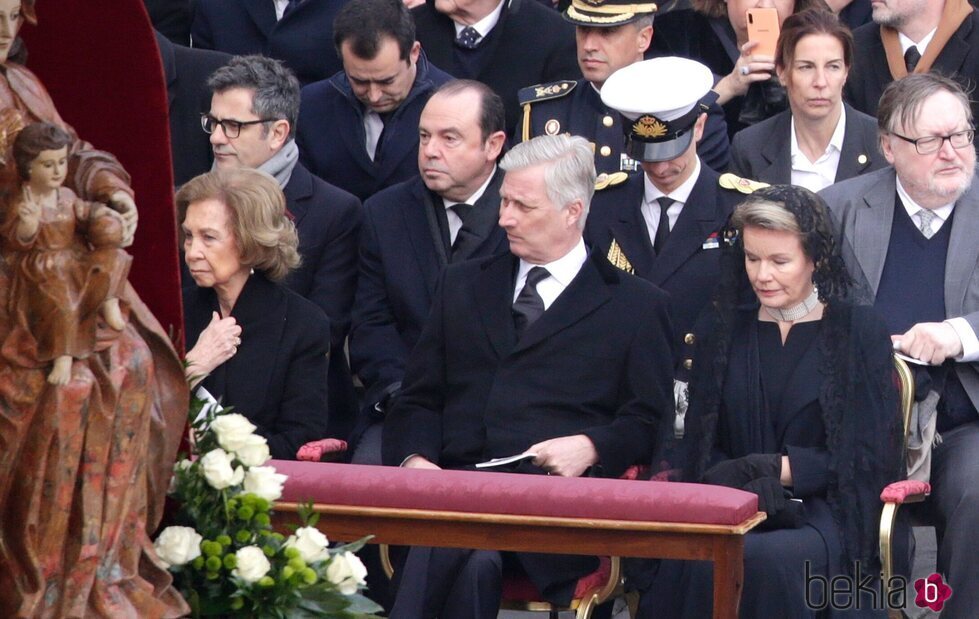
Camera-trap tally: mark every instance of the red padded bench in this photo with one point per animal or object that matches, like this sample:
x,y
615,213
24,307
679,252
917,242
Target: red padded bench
x,y
535,513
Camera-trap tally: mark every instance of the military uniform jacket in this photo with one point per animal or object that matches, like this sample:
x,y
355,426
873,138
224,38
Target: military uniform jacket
x,y
576,107
332,139
690,265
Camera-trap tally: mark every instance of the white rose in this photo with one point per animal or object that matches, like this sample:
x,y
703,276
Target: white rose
x,y
264,482
254,451
346,572
217,469
178,545
311,544
232,430
251,564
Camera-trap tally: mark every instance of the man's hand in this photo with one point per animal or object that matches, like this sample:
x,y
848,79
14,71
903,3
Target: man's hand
x,y
931,342
420,462
123,204
568,456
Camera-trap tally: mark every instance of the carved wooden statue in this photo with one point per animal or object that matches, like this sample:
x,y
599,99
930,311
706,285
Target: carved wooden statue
x,y
65,256
86,448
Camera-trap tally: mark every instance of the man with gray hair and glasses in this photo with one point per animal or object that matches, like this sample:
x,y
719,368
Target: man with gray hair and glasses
x,y
546,352
252,124
913,227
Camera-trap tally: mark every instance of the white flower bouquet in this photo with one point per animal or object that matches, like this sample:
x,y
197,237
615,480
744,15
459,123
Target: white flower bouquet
x,y
226,558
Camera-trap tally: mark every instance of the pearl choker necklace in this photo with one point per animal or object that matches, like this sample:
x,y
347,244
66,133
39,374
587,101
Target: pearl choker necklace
x,y
801,310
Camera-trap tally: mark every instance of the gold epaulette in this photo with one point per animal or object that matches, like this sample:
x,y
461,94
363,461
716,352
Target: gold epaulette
x,y
744,185
543,92
606,180
617,257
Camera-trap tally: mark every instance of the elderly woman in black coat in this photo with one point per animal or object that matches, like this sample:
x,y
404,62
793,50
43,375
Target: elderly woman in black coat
x,y
254,344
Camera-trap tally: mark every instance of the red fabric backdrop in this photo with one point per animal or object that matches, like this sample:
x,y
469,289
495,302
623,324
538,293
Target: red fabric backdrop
x,y
100,63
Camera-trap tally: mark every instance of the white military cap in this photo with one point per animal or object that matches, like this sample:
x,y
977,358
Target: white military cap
x,y
660,100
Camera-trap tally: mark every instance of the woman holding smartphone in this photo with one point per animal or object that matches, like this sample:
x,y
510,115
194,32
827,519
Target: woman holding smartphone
x,y
819,140
715,33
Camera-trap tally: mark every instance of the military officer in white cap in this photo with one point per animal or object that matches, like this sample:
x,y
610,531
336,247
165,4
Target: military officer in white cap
x,y
610,35
662,223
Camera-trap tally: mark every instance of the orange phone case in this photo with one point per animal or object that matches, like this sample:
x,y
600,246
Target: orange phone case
x,y
763,26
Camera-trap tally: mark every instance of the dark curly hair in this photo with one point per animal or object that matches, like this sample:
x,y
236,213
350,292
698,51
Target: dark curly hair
x,y
798,210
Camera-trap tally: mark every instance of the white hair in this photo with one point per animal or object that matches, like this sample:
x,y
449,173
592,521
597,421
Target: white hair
x,y
569,174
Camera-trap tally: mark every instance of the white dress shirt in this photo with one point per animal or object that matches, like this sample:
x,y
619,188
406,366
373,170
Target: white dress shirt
x,y
922,45
373,127
562,271
821,173
484,25
970,342
280,8
650,206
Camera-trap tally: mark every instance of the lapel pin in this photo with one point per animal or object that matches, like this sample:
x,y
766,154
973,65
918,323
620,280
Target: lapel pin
x,y
862,159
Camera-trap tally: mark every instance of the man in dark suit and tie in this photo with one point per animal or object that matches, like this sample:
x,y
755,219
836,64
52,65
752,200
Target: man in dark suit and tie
x,y
414,229
359,129
252,124
296,32
913,228
913,37
545,351
662,223
506,44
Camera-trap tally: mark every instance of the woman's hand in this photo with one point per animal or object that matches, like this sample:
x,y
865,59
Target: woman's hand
x,y
217,343
748,69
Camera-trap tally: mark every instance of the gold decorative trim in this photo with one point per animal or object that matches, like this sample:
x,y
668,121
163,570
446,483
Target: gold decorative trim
x,y
649,127
614,9
620,18
617,257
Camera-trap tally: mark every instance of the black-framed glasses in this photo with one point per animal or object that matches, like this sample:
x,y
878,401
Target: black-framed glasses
x,y
231,127
931,144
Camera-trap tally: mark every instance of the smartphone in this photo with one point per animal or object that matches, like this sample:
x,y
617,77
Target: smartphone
x,y
763,27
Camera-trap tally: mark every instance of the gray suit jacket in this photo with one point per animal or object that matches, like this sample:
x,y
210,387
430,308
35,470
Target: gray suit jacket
x,y
763,152
863,211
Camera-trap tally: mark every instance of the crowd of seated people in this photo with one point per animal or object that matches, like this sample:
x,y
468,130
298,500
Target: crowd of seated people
x,y
500,287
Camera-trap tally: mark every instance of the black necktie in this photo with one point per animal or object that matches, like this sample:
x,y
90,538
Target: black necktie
x,y
291,6
468,38
529,306
663,229
462,210
911,58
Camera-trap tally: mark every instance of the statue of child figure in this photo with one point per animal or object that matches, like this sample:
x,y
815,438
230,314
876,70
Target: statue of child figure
x,y
66,258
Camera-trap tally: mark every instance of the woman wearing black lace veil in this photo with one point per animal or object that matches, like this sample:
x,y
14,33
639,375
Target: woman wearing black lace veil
x,y
792,398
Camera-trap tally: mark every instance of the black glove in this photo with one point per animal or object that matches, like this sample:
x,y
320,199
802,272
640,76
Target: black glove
x,y
775,500
738,472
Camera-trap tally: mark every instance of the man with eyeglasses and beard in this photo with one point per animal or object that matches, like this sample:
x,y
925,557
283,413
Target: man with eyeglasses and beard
x,y
252,124
913,227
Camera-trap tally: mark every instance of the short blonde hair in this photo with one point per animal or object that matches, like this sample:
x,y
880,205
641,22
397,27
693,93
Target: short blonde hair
x,y
266,238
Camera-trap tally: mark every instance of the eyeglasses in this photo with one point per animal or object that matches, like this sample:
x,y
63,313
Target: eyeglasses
x,y
231,127
933,143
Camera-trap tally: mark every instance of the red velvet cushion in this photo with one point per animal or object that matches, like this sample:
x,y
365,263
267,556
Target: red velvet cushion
x,y
508,493
314,451
899,491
